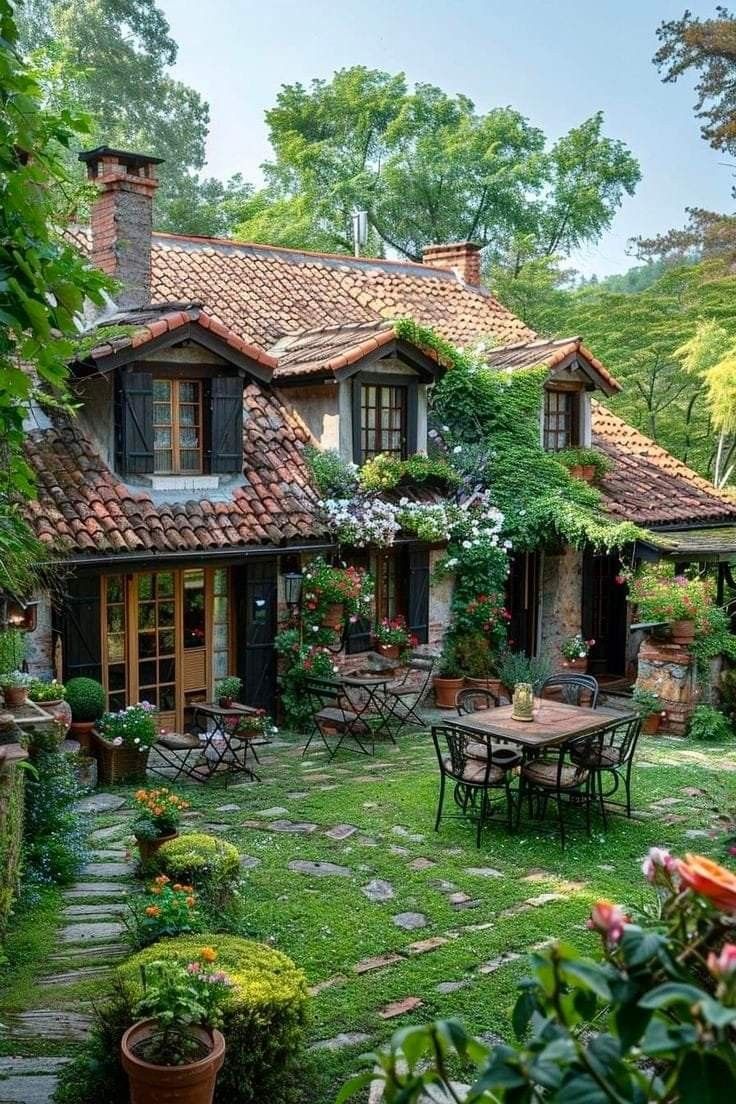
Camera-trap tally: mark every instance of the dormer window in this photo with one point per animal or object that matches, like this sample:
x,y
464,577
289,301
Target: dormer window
x,y
383,421
177,427
561,419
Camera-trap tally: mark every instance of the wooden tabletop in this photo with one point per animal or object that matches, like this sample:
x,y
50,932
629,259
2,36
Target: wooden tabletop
x,y
212,709
553,724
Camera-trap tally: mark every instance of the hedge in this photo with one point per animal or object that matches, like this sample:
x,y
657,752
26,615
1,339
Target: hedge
x,y
11,837
264,1018
209,864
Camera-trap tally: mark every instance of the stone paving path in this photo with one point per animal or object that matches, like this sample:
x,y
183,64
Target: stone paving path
x,y
88,945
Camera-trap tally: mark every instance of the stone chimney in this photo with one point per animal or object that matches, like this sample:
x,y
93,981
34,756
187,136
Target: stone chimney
x,y
462,258
122,219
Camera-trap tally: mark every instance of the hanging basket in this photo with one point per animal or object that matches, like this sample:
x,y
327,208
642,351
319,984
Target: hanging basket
x,y
118,764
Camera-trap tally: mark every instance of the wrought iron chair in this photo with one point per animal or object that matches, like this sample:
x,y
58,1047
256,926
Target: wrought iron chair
x,y
573,689
615,755
470,701
474,779
564,776
404,696
334,714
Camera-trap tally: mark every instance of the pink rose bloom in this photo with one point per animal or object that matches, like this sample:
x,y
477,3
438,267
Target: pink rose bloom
x,y
723,965
659,862
609,920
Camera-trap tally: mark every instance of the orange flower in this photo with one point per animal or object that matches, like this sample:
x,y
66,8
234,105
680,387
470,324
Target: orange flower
x,y
162,880
153,910
708,879
191,902
209,954
177,888
188,889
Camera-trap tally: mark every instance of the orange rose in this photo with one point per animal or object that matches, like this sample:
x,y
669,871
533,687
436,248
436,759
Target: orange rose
x,y
708,879
209,954
153,910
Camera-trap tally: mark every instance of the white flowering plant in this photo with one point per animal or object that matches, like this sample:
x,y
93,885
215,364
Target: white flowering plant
x,y
133,727
362,521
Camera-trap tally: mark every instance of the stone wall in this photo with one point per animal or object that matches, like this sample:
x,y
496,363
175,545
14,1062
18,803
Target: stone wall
x,y
39,643
560,601
668,670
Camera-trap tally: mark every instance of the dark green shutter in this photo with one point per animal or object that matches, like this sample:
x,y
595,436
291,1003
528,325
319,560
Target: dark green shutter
x,y
412,417
135,423
418,603
77,621
226,395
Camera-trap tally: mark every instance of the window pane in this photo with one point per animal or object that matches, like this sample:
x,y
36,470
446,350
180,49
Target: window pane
x,y
115,647
115,619
188,392
164,584
167,698
162,390
146,615
147,672
189,461
194,620
161,414
188,415
188,439
166,641
114,588
145,587
167,670
162,439
146,644
166,613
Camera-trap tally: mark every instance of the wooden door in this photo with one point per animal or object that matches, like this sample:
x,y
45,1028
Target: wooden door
x,y
255,587
604,613
522,602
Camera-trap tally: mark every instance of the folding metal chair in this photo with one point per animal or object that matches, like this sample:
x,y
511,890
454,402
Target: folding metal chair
x,y
573,689
404,696
335,714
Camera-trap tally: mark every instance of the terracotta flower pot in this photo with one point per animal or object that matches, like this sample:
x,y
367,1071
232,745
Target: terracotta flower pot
x,y
446,691
576,664
147,848
193,1083
493,684
582,471
15,696
334,616
650,725
81,731
390,651
225,703
682,632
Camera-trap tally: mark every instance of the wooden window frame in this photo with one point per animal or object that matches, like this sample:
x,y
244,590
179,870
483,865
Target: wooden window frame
x,y
175,426
410,413
569,418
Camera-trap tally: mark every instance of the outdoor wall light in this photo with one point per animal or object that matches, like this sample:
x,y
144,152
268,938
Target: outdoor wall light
x,y
19,615
293,588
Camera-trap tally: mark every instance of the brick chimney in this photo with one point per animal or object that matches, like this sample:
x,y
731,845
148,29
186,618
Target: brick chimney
x,y
462,258
122,219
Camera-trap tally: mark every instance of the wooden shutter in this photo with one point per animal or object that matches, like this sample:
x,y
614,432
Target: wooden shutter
x,y
418,603
78,624
227,424
135,423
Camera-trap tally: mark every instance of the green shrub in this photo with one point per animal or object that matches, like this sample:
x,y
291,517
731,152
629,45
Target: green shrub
x,y
334,477
11,837
209,864
54,847
86,698
263,1023
708,723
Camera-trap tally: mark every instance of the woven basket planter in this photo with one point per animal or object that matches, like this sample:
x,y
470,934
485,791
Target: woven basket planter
x,y
118,764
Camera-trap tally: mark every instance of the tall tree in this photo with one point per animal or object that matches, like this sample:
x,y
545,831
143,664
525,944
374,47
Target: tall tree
x,y
710,355
429,168
43,283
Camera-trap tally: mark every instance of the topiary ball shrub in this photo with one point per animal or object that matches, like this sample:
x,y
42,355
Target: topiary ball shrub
x,y
86,698
209,864
263,1018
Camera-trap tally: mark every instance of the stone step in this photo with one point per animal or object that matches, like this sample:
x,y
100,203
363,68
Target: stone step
x,y
100,889
108,869
48,1023
24,1066
111,832
28,1089
91,933
73,977
107,910
93,951
99,803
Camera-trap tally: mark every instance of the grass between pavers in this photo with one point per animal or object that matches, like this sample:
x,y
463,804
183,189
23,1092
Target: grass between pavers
x,y
328,926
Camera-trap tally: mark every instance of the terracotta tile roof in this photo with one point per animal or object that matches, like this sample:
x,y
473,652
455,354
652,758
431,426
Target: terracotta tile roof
x,y
160,318
82,507
530,354
648,484
261,292
325,350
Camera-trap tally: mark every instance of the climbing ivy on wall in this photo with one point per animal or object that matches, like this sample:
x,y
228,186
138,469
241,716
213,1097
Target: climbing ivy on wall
x,y
11,838
489,421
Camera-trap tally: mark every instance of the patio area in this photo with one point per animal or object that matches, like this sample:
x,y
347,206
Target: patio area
x,y
391,922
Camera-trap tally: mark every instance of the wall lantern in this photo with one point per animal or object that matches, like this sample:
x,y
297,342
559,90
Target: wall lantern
x,y
293,589
15,614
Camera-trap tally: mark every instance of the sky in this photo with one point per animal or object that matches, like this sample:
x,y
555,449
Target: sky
x,y
557,62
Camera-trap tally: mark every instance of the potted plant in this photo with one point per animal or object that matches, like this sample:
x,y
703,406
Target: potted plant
x,y
449,679
584,463
649,705
86,699
391,637
249,725
15,685
516,667
660,595
122,742
159,815
575,651
49,695
333,594
227,690
475,659
176,1051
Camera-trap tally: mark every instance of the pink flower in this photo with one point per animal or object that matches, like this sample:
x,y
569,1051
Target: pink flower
x,y
609,920
659,866
723,966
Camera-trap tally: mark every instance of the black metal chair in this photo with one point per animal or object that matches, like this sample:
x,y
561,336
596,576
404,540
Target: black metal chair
x,y
563,775
404,696
572,689
334,714
470,701
614,754
474,778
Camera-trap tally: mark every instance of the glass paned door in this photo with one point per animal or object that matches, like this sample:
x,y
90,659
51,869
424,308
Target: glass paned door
x,y
156,638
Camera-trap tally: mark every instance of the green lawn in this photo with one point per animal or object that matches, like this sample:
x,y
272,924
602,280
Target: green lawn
x,y
328,925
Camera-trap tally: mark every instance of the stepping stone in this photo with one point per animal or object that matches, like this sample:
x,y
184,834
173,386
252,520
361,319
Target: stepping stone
x,y
81,933
341,1041
319,869
108,869
28,1090
276,811
367,841
421,864
99,803
371,805
483,872
425,945
494,964
296,795
342,831
544,899
209,826
442,885
378,890
693,791
248,862
295,827
396,849
378,962
94,950
111,909
328,983
404,833
232,808
459,898
312,777
451,986
467,903
697,833
399,1007
72,977
32,1065
109,833
409,921
111,854
99,889
48,1024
